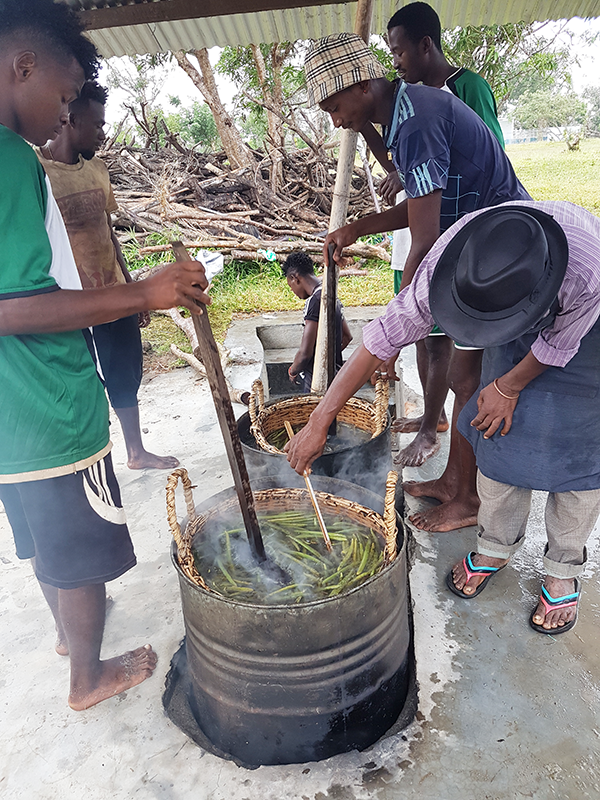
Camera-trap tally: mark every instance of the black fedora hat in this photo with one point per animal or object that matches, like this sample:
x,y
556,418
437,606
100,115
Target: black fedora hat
x,y
497,278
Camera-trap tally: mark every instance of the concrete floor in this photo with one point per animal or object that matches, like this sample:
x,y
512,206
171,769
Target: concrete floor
x,y
503,712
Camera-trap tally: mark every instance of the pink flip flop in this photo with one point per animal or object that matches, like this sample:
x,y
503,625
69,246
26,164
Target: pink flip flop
x,y
471,570
552,604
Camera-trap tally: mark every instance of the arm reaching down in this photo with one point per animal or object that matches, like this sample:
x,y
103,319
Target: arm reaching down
x,y
391,184
309,443
346,335
389,220
306,351
424,224
143,316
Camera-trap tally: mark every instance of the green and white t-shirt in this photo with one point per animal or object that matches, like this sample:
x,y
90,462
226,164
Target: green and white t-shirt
x,y
53,410
476,92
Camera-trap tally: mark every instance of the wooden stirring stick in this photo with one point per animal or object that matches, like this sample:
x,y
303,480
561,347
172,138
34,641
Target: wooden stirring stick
x,y
313,496
233,447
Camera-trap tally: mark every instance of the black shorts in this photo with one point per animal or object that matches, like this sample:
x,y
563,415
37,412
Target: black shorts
x,y
119,347
74,525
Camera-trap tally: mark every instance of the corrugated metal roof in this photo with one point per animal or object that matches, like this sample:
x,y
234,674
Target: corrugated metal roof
x,y
291,24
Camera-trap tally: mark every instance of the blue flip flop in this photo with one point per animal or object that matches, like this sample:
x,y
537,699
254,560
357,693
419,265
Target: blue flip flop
x,y
471,570
554,603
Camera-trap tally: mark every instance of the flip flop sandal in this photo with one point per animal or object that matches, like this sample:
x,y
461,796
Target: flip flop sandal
x,y
471,570
552,604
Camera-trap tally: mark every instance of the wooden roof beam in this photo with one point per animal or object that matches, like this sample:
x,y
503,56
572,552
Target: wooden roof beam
x,y
170,10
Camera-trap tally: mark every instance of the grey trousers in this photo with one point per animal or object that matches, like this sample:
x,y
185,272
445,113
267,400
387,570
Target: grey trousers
x,y
570,518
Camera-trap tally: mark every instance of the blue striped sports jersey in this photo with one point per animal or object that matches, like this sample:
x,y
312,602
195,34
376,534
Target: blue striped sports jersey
x,y
438,142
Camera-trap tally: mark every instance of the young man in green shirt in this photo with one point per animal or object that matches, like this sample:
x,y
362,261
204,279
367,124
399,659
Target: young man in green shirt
x,y
56,476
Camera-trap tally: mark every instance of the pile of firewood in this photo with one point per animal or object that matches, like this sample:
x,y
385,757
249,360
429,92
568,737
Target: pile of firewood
x,y
236,211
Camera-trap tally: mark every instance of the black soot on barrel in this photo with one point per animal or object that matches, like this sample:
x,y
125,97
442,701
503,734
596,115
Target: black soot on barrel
x,y
294,683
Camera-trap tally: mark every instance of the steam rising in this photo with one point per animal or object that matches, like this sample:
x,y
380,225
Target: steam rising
x,y
293,542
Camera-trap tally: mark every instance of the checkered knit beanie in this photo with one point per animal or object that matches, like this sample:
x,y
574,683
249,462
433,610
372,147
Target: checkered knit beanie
x,y
337,62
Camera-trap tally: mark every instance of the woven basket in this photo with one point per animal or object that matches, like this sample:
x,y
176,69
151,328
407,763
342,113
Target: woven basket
x,y
276,500
370,417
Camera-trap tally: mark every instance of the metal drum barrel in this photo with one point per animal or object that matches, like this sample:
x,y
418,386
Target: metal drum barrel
x,y
295,683
365,463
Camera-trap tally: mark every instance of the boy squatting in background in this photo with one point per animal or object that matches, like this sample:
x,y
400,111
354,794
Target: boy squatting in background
x,y
81,186
521,280
414,36
56,476
299,272
451,164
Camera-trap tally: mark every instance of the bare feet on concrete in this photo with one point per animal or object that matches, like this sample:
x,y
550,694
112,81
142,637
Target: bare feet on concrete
x,y
456,513
413,424
146,460
61,646
555,618
115,676
418,451
439,489
459,576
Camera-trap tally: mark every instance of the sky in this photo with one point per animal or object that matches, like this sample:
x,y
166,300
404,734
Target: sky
x,y
587,73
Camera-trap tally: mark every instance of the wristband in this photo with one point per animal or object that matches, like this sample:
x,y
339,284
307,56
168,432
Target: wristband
x,y
508,397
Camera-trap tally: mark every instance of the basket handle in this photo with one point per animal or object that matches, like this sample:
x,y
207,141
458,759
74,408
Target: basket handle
x,y
389,517
183,541
382,397
257,398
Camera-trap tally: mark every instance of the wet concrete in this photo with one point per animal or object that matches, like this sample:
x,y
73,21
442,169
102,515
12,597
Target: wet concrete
x,y
503,712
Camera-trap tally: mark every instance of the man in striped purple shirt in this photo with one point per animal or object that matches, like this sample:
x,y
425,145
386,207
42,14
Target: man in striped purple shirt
x,y
532,423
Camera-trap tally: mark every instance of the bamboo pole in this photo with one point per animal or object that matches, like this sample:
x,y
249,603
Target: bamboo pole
x,y
339,208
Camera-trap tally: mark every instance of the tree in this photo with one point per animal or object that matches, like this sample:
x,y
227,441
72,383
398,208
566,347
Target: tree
x,y
195,125
513,58
546,109
142,78
266,78
203,78
592,95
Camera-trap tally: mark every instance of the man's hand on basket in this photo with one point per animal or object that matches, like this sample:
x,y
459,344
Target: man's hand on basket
x,y
386,370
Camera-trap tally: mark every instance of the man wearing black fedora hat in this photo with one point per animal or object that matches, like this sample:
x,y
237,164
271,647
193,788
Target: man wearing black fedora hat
x,y
521,280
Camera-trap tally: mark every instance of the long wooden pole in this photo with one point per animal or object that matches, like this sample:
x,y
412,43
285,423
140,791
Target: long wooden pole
x,y
212,364
339,209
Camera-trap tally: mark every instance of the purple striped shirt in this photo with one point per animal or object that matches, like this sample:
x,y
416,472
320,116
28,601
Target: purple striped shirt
x,y
408,318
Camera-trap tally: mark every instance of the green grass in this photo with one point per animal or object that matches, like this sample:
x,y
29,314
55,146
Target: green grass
x,y
247,288
551,172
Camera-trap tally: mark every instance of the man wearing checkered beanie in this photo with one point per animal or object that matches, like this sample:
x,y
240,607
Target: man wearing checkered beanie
x,y
450,164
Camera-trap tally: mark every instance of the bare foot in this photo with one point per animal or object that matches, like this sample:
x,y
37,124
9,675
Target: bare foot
x,y
555,618
413,425
459,576
146,460
115,676
448,516
61,646
418,451
440,489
